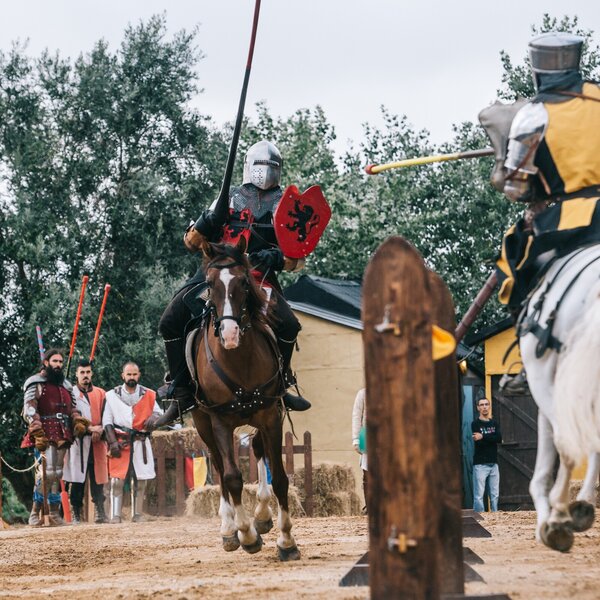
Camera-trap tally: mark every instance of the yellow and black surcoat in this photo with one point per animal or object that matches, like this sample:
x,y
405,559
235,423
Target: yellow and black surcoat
x,y
568,160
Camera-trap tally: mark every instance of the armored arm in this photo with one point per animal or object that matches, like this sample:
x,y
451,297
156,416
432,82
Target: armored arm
x,y
526,133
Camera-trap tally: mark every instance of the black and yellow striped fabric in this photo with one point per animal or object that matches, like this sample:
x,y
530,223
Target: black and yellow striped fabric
x,y
569,162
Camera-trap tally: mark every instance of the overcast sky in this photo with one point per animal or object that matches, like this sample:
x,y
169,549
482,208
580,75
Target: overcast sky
x,y
436,62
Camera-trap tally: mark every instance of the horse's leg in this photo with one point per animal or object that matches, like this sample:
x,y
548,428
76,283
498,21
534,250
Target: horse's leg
x,y
558,532
263,515
582,510
286,545
226,512
541,482
232,478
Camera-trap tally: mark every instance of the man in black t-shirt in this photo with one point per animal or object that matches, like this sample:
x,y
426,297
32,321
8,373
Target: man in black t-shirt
x,y
487,436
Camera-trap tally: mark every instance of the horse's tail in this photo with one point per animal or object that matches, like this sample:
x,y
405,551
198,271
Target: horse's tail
x,y
577,388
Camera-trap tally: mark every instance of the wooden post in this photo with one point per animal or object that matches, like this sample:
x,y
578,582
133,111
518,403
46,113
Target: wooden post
x,y
289,455
161,482
1,509
308,480
179,479
447,409
45,507
401,425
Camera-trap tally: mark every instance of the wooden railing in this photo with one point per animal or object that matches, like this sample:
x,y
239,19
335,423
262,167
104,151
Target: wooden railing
x,y
162,454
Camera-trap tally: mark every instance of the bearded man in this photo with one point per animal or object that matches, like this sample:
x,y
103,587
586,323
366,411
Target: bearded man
x,y
48,409
128,408
86,458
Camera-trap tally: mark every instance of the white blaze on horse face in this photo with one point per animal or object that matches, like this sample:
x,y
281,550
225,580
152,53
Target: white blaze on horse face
x,y
230,330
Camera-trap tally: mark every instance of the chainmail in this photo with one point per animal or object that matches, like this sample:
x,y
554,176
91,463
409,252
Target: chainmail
x,y
259,202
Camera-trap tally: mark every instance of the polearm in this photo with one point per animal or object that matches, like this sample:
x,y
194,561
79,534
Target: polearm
x,y
222,206
426,160
98,325
84,283
40,341
476,307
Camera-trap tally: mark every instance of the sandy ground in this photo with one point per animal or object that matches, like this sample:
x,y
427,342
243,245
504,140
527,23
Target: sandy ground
x,y
182,558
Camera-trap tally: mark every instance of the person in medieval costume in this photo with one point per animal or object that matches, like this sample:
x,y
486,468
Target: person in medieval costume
x,y
127,409
552,165
48,411
251,208
86,458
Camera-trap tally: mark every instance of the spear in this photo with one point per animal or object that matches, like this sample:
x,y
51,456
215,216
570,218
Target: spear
x,y
40,341
84,283
425,160
222,206
100,316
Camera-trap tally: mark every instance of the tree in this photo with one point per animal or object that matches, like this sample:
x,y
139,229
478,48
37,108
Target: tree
x,y
102,164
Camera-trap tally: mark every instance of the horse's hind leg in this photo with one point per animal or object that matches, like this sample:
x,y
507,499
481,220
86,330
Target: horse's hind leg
x,y
541,482
582,510
226,512
263,515
558,532
286,545
232,478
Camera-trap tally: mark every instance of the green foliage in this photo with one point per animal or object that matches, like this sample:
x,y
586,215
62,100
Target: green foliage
x,y
12,510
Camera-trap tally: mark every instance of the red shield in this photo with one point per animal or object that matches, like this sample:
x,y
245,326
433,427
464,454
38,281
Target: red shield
x,y
300,220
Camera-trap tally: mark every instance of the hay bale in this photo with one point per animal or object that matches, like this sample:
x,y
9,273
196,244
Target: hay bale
x,y
204,502
337,504
334,490
188,437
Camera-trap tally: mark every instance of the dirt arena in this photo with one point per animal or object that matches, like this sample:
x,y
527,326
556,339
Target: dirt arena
x,y
182,558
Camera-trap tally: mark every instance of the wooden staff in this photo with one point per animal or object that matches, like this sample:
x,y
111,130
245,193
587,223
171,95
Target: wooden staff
x,y
84,283
476,307
222,205
425,160
40,342
98,325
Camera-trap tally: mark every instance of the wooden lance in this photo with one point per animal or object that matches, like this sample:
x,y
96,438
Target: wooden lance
x,y
476,307
222,206
426,160
84,283
99,324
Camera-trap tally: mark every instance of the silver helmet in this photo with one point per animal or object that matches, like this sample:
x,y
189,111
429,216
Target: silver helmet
x,y
262,165
555,51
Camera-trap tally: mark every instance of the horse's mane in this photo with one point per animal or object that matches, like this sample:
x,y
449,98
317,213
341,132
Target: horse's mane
x,y
256,296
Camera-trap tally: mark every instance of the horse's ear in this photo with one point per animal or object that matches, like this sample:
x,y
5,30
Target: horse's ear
x,y
242,244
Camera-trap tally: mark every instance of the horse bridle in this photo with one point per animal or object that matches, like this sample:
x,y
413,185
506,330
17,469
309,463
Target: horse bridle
x,y
212,309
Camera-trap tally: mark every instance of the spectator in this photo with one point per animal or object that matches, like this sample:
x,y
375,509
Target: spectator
x,y
487,436
359,421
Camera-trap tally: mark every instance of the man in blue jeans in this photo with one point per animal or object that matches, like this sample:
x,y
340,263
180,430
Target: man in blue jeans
x,y
487,436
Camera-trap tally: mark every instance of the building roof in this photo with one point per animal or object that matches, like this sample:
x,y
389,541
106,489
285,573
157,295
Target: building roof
x,y
487,332
337,301
334,300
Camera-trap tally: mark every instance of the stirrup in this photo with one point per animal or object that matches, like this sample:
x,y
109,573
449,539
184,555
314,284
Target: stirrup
x,y
297,403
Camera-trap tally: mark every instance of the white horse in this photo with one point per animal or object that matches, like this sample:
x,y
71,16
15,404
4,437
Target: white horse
x,y
565,384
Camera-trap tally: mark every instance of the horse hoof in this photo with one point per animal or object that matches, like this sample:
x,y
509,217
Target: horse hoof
x,y
255,547
286,554
231,542
558,536
263,527
582,513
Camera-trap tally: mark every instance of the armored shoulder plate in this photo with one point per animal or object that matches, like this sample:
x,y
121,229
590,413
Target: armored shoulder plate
x,y
33,380
527,130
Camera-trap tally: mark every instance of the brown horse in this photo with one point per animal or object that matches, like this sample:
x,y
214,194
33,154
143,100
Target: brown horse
x,y
240,383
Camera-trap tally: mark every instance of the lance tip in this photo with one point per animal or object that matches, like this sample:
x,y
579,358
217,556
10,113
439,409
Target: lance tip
x,y
369,170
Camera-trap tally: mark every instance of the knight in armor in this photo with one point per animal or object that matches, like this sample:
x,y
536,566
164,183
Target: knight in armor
x,y
127,409
48,410
251,212
86,458
552,166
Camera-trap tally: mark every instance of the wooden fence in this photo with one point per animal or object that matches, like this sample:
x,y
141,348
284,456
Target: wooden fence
x,y
164,454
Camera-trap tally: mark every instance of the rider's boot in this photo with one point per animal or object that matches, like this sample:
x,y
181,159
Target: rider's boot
x,y
514,385
291,401
182,395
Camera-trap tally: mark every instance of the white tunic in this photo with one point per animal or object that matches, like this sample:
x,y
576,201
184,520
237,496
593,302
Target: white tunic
x,y
72,469
119,411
